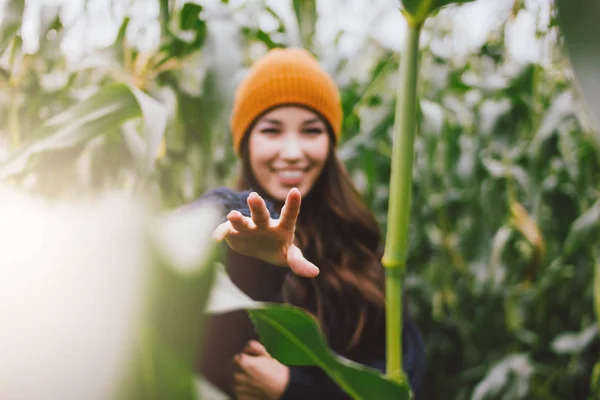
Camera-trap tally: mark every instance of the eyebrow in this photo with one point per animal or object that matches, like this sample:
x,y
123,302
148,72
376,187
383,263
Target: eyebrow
x,y
273,121
311,121
277,122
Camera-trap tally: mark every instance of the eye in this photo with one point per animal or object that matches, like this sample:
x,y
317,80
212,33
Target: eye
x,y
313,130
269,130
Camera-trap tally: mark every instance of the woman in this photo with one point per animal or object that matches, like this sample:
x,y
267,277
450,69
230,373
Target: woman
x,y
286,122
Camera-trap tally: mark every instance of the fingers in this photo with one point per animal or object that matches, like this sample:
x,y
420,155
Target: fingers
x,y
300,265
290,210
244,388
255,348
238,221
247,392
258,210
222,231
244,362
241,378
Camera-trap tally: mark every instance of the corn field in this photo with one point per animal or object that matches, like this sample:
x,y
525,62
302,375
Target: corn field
x,y
132,96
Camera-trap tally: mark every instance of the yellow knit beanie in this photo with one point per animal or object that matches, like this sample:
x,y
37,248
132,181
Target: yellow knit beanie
x,y
285,76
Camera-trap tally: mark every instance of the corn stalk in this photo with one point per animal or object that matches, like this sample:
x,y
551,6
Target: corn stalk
x,y
395,254
394,258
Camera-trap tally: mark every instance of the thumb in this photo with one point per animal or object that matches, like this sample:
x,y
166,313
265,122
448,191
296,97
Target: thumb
x,y
300,265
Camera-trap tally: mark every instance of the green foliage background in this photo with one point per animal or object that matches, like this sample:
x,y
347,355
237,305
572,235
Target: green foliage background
x,y
504,226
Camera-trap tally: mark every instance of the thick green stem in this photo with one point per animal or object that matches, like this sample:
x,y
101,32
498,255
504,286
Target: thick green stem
x,y
393,299
394,258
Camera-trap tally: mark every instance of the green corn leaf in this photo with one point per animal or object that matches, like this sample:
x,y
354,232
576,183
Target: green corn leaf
x,y
189,20
583,228
11,22
154,115
181,276
595,381
293,337
165,13
578,21
123,311
102,113
157,373
306,15
418,10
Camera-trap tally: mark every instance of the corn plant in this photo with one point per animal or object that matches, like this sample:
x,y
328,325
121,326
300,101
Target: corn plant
x,y
394,258
500,249
576,21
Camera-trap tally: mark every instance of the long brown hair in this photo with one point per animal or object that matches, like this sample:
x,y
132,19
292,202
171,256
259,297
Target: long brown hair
x,y
338,233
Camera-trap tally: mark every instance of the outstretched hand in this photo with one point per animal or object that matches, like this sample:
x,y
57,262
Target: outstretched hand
x,y
267,239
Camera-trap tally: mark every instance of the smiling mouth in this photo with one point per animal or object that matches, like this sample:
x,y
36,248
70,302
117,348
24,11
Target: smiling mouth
x,y
290,177
291,174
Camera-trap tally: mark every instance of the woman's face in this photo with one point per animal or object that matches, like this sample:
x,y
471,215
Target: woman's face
x,y
288,147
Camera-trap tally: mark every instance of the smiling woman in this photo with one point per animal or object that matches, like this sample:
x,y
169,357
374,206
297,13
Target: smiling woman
x,y
297,208
288,148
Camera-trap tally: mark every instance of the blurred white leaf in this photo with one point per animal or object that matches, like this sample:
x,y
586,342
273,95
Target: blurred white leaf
x,y
521,40
517,366
490,112
184,236
494,167
573,343
582,228
433,116
499,242
144,35
562,106
155,116
72,289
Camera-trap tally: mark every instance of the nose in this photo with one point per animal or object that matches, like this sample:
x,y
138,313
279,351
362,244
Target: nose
x,y
291,147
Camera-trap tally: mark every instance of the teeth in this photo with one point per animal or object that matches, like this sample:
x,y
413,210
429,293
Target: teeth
x,y
290,174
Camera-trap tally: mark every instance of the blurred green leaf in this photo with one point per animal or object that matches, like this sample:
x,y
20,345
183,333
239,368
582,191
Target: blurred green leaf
x,y
293,337
11,22
193,32
99,114
306,15
595,381
562,106
190,14
155,117
498,247
583,229
181,276
419,10
102,113
579,25
158,373
165,13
